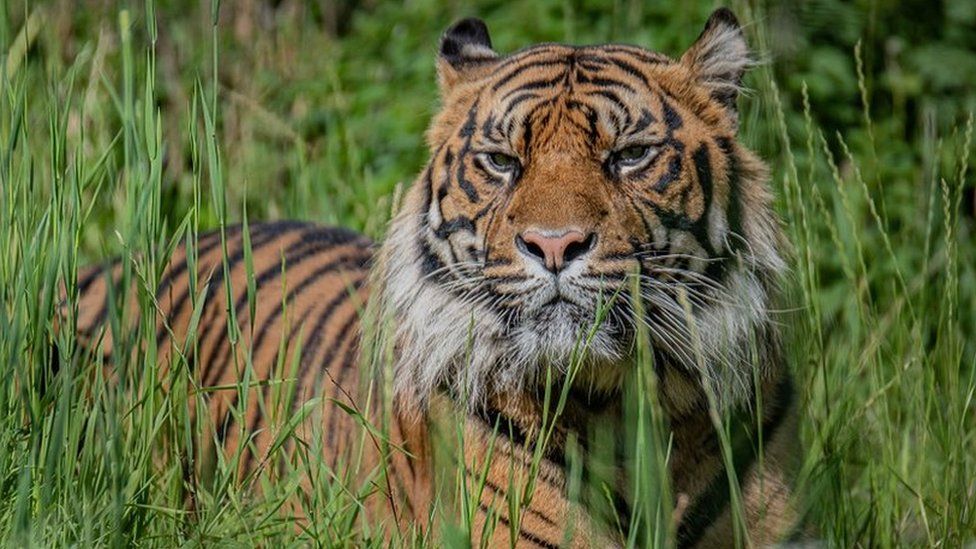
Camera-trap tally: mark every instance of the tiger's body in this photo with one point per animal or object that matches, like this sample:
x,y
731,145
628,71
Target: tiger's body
x,y
563,181
318,275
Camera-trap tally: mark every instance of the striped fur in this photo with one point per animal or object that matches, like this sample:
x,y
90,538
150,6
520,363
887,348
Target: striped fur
x,y
310,288
631,149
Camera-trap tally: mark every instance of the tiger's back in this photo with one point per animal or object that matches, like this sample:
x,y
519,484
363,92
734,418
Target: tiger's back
x,y
307,285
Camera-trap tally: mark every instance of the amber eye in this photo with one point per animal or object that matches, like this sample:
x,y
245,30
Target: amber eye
x,y
502,163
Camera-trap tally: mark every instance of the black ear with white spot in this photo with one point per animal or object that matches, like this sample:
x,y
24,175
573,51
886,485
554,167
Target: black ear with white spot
x,y
465,53
720,57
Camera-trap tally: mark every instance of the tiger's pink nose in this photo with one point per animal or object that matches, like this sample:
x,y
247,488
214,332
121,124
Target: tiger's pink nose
x,y
555,249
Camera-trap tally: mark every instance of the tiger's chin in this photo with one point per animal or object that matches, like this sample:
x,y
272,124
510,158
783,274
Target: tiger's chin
x,y
567,338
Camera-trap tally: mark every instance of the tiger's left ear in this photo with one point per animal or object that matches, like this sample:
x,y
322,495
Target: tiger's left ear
x,y
465,53
719,58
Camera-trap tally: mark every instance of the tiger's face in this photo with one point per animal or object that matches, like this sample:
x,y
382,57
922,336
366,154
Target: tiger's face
x,y
575,195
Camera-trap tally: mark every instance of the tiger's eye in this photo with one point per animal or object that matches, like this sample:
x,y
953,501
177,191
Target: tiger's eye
x,y
632,154
503,162
630,158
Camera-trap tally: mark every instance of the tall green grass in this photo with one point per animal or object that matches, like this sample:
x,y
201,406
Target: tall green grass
x,y
145,125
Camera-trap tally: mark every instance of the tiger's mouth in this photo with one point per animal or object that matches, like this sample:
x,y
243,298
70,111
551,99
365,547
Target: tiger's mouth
x,y
558,296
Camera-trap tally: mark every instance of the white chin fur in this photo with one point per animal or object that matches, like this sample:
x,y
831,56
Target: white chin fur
x,y
559,332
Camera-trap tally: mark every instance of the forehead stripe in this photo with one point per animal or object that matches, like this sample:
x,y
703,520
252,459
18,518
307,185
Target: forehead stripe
x,y
614,100
517,71
535,85
530,53
638,53
629,69
510,112
605,81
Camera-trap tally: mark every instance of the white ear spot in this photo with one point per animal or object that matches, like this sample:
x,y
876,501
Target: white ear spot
x,y
465,50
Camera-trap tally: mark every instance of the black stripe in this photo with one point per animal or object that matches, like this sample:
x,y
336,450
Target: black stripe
x,y
735,196
308,353
615,101
345,365
355,261
110,283
263,233
498,490
592,129
527,536
635,52
703,169
407,456
430,263
213,240
448,228
221,270
523,56
306,247
467,131
493,417
605,81
518,100
642,214
518,437
330,354
527,133
89,279
672,119
516,72
335,264
645,120
681,220
668,177
534,85
253,424
83,285
488,127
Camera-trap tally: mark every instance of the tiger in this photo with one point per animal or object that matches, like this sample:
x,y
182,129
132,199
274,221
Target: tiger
x,y
572,193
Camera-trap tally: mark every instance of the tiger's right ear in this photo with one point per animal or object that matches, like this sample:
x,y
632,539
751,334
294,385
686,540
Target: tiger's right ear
x,y
465,53
719,58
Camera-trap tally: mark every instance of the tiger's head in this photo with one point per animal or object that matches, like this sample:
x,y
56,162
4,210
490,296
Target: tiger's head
x,y
574,195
